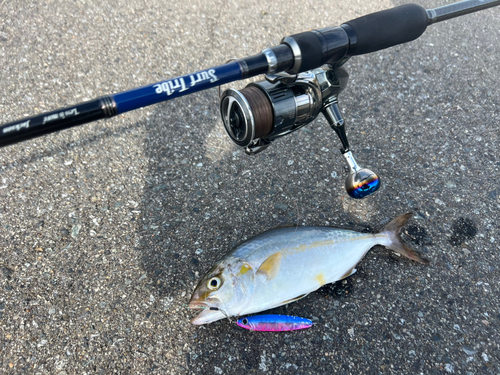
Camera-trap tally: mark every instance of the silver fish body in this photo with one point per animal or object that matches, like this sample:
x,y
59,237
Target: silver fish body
x,y
283,265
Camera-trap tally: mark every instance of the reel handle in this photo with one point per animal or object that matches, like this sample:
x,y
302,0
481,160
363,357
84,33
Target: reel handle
x,y
361,182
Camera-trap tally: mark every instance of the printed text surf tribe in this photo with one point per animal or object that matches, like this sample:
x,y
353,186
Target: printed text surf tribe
x,y
180,85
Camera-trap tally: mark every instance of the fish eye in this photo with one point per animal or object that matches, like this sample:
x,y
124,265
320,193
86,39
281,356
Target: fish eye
x,y
214,283
245,321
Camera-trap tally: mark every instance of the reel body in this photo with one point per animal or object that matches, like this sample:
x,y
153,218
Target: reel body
x,y
266,110
281,104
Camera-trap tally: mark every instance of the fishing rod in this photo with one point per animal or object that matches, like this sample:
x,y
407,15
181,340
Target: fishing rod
x,y
304,76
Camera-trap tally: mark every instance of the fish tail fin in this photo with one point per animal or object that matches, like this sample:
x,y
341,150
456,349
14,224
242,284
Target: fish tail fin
x,y
392,230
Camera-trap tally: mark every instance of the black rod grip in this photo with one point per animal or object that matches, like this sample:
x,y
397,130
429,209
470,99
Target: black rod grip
x,y
388,28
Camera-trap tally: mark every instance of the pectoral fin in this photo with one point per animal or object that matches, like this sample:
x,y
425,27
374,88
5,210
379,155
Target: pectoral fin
x,y
271,266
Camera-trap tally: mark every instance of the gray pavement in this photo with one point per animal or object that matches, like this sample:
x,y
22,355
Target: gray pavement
x,y
106,229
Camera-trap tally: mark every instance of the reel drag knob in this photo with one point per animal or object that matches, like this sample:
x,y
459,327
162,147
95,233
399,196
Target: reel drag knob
x,y
361,182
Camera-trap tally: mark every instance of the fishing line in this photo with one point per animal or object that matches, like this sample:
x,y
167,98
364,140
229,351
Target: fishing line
x,y
223,312
297,226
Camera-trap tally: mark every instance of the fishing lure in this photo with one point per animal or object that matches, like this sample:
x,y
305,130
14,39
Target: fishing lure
x,y
269,323
274,323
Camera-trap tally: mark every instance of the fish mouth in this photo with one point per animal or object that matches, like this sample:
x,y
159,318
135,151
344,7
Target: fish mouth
x,y
207,315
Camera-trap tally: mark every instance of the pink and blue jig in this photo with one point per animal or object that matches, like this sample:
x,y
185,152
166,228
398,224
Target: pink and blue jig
x,y
274,323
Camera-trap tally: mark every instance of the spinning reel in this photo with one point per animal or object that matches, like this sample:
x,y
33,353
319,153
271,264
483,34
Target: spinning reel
x,y
264,111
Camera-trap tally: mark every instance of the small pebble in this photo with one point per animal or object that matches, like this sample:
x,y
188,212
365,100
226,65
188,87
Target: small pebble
x,y
469,351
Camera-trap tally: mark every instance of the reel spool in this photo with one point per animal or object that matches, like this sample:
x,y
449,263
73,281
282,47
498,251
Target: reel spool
x,y
264,111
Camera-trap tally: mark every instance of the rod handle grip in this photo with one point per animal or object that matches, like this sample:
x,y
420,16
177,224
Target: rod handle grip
x,y
386,28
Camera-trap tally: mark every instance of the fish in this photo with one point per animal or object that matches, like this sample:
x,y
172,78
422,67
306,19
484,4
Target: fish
x,y
283,265
274,323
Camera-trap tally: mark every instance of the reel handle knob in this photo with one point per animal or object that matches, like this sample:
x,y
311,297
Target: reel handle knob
x,y
361,182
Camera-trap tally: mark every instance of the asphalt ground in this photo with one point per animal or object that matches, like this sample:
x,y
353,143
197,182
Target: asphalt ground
x,y
105,229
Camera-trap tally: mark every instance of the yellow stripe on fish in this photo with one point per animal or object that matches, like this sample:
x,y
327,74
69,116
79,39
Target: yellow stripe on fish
x,y
302,248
